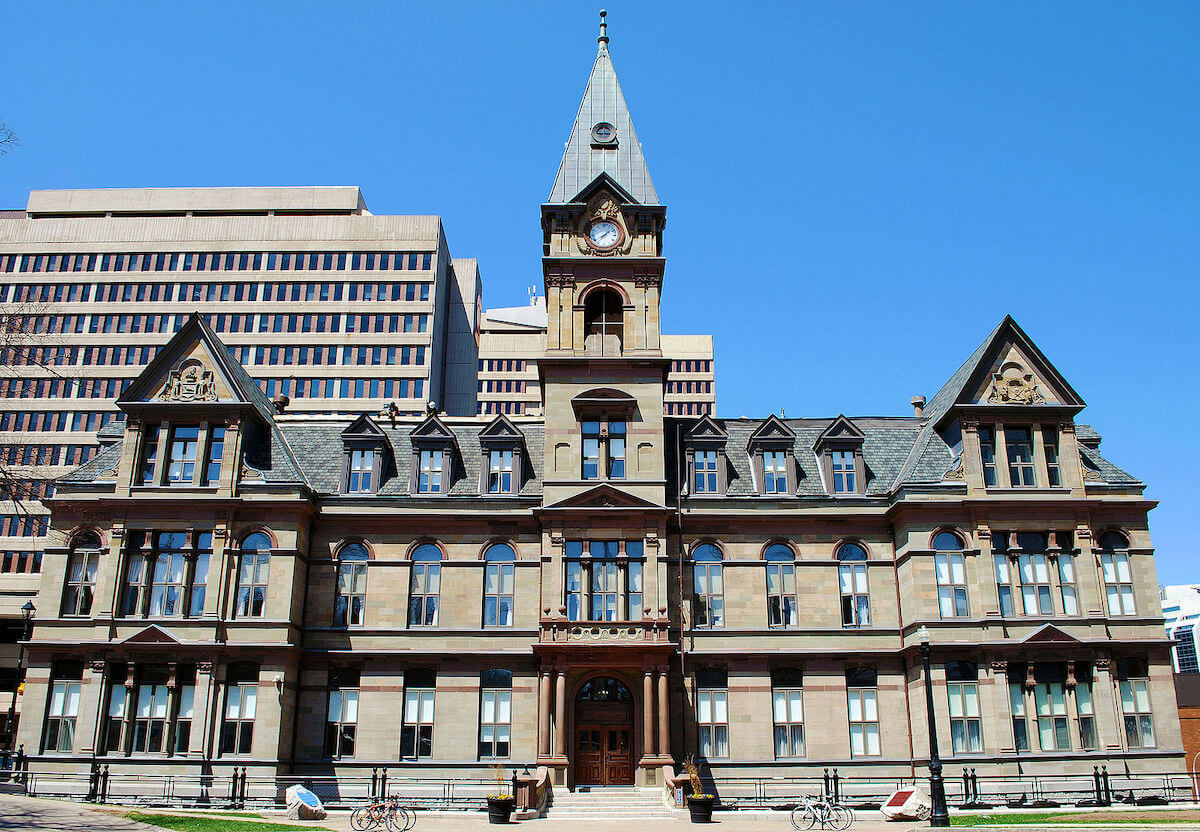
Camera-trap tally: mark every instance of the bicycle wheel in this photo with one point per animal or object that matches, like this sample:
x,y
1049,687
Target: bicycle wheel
x,y
840,817
807,817
360,819
410,815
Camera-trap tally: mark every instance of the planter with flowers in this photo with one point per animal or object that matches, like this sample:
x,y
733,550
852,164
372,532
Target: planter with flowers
x,y
700,805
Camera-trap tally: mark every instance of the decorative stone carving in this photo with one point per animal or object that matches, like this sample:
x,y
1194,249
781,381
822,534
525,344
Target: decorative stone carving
x,y
1103,664
999,666
602,207
97,665
248,473
107,474
955,473
1091,474
970,425
204,667
1013,385
191,381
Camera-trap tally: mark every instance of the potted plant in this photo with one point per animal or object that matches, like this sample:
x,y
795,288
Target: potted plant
x,y
500,804
700,805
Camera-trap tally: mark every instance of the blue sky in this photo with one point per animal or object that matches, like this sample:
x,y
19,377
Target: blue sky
x,y
857,192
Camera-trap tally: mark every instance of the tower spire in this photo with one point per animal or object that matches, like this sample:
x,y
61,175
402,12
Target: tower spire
x,y
603,39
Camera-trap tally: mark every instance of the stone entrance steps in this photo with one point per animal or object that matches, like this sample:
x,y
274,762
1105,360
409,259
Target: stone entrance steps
x,y
625,803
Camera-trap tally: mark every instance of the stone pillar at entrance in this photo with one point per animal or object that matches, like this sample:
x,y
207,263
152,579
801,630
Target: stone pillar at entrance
x,y
560,715
664,726
647,713
543,738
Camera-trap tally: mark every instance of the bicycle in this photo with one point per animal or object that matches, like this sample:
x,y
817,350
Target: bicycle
x,y
811,813
387,813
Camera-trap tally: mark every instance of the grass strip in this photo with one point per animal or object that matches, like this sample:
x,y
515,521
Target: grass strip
x,y
192,823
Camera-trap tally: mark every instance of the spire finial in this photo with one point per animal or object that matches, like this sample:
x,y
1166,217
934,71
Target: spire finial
x,y
603,39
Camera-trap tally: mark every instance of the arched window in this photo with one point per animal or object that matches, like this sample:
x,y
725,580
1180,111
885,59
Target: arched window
x,y
852,579
781,586
708,587
426,586
603,319
1113,540
498,582
254,563
82,566
350,605
950,567
947,542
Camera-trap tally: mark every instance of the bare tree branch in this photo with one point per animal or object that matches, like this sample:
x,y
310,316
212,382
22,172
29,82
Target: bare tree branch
x,y
8,138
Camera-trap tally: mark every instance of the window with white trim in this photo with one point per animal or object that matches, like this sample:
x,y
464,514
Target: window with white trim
x,y
416,732
781,586
863,711
499,577
787,708
708,602
852,580
350,599
1134,680
495,714
950,569
712,713
966,724
341,713
426,586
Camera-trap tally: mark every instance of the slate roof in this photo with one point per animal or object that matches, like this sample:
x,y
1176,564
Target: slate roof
x,y
582,163
319,445
107,457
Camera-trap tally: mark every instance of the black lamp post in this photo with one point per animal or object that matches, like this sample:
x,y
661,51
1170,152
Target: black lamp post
x,y
937,789
27,611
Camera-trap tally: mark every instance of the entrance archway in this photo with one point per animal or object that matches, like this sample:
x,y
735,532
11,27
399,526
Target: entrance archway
x,y
604,735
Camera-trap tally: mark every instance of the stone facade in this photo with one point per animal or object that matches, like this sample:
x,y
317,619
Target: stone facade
x,y
602,588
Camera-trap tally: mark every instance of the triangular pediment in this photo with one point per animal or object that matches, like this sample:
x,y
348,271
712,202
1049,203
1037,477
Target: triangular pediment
x,y
501,430
152,635
433,431
604,496
841,429
1049,634
1007,370
707,430
194,369
773,429
364,427
611,187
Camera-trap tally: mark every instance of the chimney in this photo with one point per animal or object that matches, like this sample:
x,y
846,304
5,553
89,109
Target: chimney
x,y
918,404
281,402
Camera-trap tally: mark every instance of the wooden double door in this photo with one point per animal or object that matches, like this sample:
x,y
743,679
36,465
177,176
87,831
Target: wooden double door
x,y
604,755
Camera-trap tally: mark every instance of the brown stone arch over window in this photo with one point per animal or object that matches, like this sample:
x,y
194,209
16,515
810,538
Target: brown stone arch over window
x,y
603,321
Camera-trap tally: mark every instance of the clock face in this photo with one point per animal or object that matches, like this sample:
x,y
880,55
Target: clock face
x,y
604,234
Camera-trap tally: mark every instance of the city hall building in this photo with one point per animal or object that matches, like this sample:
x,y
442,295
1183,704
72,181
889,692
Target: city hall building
x,y
600,579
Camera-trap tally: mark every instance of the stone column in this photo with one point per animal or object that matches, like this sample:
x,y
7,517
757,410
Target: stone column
x,y
1110,722
543,738
664,725
647,713
201,710
560,714
91,707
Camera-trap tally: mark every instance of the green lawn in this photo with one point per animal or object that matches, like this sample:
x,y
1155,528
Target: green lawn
x,y
193,823
1051,819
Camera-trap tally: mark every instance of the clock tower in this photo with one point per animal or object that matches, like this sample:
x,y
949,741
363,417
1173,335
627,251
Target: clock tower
x,y
603,370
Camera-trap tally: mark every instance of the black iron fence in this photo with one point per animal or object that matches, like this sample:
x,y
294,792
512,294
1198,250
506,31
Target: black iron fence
x,y
966,791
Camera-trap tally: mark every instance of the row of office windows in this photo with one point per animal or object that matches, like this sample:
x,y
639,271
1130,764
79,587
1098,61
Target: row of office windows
x,y
689,387
691,366
110,388
206,292
218,261
602,578
63,388
64,420
232,323
502,386
24,525
328,356
36,454
22,562
492,408
26,488
501,365
1051,703
688,409
345,388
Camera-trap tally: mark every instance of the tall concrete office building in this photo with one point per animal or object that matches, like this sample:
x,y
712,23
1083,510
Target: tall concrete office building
x,y
605,586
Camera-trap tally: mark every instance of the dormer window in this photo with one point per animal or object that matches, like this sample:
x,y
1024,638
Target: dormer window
x,y
191,456
839,450
502,445
430,471
604,449
433,447
706,457
362,471
771,451
365,447
181,467
1019,442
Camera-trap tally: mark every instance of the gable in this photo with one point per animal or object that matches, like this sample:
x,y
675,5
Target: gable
x,y
772,430
433,432
841,430
603,496
364,427
706,430
501,430
152,635
1048,633
1011,377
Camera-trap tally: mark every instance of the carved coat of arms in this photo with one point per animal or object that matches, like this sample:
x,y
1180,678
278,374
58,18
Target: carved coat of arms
x,y
190,382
